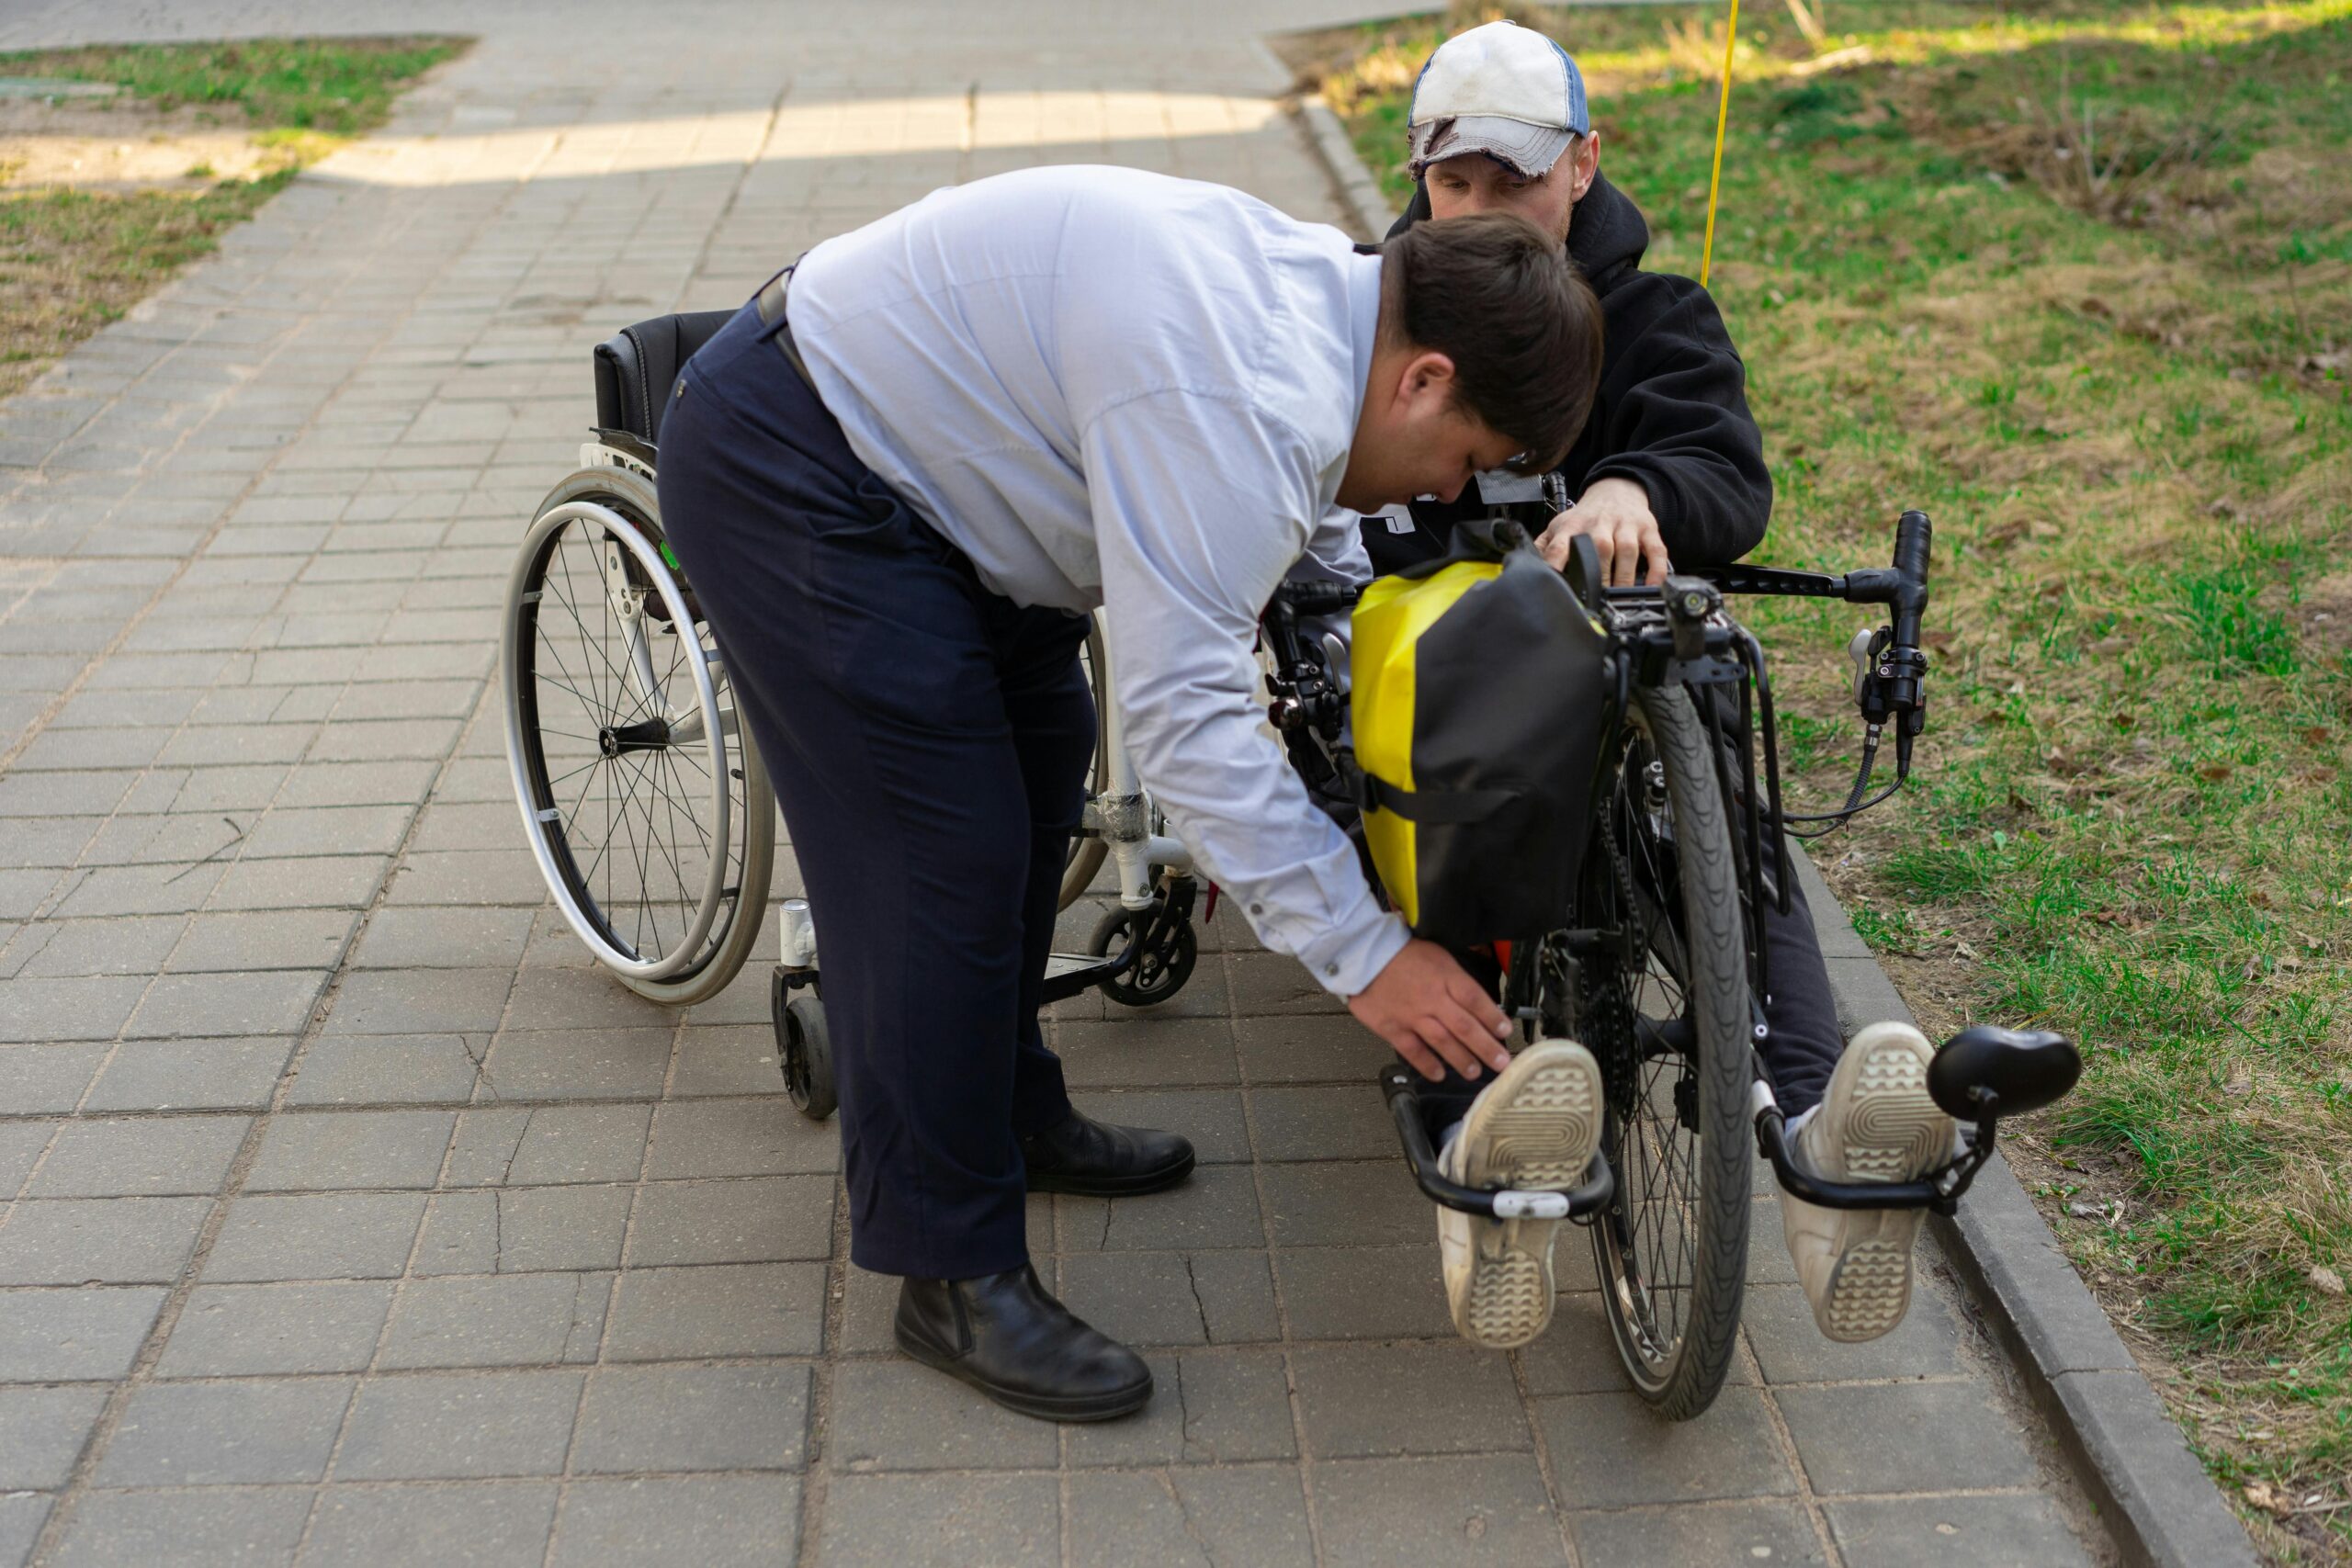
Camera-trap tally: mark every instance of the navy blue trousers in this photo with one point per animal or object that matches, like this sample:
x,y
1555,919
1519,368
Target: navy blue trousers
x,y
929,742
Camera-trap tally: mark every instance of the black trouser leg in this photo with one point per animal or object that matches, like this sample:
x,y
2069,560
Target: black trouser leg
x,y
1801,1040
919,731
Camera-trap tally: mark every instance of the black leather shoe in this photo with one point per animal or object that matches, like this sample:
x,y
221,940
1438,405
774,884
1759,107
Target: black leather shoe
x,y
1099,1160
1003,1335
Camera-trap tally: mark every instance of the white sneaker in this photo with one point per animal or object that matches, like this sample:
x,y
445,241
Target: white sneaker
x,y
1535,1126
1876,1124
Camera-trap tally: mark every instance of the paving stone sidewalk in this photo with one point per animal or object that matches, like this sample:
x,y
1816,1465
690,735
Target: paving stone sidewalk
x,y
351,1216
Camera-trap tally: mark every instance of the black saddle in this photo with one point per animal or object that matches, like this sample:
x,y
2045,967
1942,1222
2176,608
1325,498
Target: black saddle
x,y
2025,1069
636,369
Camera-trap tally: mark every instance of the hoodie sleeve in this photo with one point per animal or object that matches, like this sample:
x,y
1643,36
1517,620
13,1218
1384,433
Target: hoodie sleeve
x,y
1673,417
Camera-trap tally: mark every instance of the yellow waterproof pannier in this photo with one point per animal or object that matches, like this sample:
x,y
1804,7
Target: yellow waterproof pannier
x,y
1479,689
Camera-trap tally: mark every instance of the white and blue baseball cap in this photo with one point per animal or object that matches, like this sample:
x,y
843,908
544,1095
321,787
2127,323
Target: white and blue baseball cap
x,y
1500,89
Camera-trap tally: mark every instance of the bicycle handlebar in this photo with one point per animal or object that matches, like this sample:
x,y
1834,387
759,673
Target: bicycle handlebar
x,y
1317,597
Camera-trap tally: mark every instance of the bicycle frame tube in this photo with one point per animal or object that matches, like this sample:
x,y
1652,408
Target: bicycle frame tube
x,y
1123,808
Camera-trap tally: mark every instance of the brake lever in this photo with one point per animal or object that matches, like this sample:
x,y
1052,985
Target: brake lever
x,y
1862,652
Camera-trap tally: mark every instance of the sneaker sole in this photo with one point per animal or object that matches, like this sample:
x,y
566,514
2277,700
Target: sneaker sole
x,y
1543,1138
1894,1132
1869,1285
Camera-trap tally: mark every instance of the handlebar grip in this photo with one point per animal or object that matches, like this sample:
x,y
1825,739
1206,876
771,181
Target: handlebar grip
x,y
1317,598
1912,538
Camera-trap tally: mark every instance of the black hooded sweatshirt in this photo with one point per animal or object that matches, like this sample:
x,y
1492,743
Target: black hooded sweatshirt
x,y
1671,413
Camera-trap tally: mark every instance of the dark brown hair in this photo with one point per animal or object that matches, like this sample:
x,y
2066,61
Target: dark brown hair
x,y
1500,298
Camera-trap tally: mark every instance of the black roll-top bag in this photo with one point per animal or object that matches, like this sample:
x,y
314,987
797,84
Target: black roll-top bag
x,y
1480,687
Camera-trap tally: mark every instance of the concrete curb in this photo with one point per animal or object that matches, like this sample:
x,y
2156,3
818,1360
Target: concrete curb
x,y
1359,192
2126,1451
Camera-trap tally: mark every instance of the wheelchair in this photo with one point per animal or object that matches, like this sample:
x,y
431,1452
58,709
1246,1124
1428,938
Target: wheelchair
x,y
643,796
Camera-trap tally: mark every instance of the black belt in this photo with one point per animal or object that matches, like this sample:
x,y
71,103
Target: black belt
x,y
770,301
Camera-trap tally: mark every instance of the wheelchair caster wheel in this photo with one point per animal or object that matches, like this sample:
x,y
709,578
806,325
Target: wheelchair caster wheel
x,y
805,1048
1158,974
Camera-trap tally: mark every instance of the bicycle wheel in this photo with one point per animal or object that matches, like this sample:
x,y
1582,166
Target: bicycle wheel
x,y
1087,849
1663,1005
647,806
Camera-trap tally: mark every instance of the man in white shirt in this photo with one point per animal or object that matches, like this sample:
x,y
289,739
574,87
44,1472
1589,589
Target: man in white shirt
x,y
898,481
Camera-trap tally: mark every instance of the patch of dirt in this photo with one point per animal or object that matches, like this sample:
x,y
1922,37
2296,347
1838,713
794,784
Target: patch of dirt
x,y
122,145
2324,618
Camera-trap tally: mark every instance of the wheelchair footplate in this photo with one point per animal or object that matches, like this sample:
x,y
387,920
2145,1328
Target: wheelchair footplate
x,y
1977,1077
1138,958
1398,1082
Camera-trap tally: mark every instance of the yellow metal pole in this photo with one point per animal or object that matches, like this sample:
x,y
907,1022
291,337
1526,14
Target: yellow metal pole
x,y
1722,118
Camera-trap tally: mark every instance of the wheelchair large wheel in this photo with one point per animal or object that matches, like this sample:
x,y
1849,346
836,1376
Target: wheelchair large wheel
x,y
643,797
1087,848
1662,1003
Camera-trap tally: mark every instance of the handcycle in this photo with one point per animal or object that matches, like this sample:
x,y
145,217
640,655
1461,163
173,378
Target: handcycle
x,y
1661,969
646,806
651,819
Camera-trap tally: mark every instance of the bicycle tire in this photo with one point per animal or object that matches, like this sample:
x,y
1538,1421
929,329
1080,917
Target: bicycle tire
x,y
1706,1216
738,904
1087,850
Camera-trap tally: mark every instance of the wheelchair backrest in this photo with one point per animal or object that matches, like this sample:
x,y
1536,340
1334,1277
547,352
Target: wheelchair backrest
x,y
638,366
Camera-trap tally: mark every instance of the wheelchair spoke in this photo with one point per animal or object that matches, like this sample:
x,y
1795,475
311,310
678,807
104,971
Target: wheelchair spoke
x,y
593,707
666,846
592,652
670,765
635,858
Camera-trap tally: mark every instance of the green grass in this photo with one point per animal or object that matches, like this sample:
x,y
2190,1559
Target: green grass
x,y
71,261
2124,402
340,86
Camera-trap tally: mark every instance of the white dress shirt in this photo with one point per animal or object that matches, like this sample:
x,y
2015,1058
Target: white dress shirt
x,y
1108,387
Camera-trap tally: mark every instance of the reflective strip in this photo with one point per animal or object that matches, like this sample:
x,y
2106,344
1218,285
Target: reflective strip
x,y
1530,1205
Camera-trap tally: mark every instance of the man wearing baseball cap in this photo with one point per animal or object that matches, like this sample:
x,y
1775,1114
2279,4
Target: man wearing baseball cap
x,y
1669,470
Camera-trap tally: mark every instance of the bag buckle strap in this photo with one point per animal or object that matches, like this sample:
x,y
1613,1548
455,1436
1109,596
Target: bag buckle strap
x,y
1437,806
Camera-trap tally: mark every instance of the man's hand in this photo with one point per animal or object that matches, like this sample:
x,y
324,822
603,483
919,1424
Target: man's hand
x,y
1433,1013
1616,513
